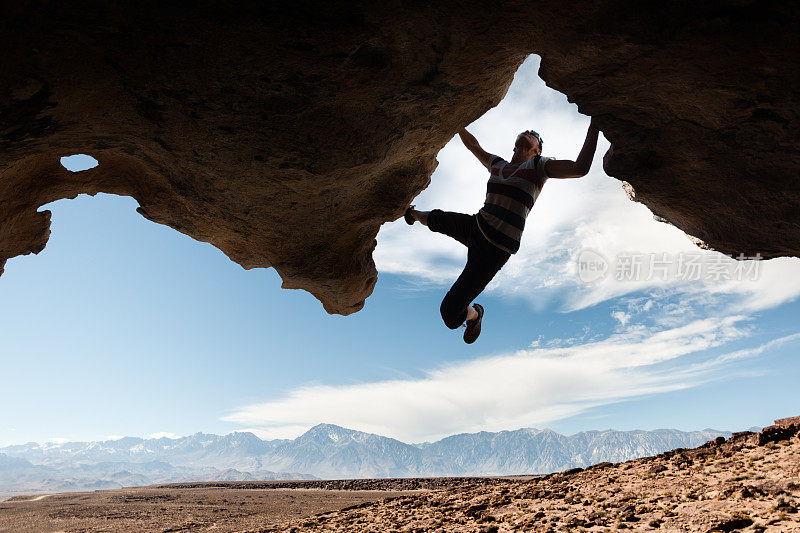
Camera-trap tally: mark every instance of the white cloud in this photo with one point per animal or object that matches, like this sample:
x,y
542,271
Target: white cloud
x,y
593,212
525,388
621,317
728,358
536,343
668,329
163,435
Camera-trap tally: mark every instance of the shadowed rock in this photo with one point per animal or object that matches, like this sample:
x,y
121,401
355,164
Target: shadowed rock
x,y
286,133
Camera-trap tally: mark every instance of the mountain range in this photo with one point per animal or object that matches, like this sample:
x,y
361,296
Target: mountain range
x,y
324,451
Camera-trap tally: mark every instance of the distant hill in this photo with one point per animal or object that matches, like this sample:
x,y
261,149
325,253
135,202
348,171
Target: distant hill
x,y
324,451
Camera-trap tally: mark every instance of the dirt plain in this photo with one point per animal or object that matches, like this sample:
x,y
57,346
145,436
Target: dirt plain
x,y
750,482
167,509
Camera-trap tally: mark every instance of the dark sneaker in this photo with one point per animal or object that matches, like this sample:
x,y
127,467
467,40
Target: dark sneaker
x,y
409,217
474,326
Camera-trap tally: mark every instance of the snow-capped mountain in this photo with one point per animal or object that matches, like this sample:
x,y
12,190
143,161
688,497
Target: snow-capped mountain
x,y
325,451
333,451
538,451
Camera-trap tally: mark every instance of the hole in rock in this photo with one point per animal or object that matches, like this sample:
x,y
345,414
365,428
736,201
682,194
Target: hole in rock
x,y
565,214
572,219
78,162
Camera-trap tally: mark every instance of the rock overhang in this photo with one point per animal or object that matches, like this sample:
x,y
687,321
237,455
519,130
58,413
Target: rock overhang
x,y
285,134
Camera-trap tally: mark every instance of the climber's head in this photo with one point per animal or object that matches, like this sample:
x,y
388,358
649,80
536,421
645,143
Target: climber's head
x,y
529,141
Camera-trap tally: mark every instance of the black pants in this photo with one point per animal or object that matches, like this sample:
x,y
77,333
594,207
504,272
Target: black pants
x,y
484,260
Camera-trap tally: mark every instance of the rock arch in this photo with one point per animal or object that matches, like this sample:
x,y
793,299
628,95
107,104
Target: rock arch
x,y
285,133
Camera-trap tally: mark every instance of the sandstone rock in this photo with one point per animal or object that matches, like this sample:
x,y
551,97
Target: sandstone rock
x,y
776,433
285,133
787,422
784,428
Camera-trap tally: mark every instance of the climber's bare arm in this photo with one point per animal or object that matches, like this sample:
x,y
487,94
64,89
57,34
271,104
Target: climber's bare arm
x,y
564,168
472,145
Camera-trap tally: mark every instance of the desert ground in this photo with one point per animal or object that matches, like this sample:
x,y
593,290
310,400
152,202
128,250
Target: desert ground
x,y
197,508
750,482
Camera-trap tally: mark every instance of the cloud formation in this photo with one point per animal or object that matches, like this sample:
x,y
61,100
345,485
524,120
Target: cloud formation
x,y
524,388
163,435
667,326
571,216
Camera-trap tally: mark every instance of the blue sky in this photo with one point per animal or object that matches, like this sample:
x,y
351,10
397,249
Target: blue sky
x,y
125,327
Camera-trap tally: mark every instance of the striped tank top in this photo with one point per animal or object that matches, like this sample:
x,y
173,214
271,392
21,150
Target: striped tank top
x,y
510,195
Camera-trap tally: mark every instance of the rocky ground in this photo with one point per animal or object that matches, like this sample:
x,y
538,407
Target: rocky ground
x,y
750,482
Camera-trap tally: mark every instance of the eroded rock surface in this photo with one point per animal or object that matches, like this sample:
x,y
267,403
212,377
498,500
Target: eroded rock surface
x,y
286,133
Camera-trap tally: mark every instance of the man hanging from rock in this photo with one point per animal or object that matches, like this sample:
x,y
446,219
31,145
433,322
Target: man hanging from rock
x,y
494,233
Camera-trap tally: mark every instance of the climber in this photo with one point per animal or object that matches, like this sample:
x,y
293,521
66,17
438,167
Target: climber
x,y
494,233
